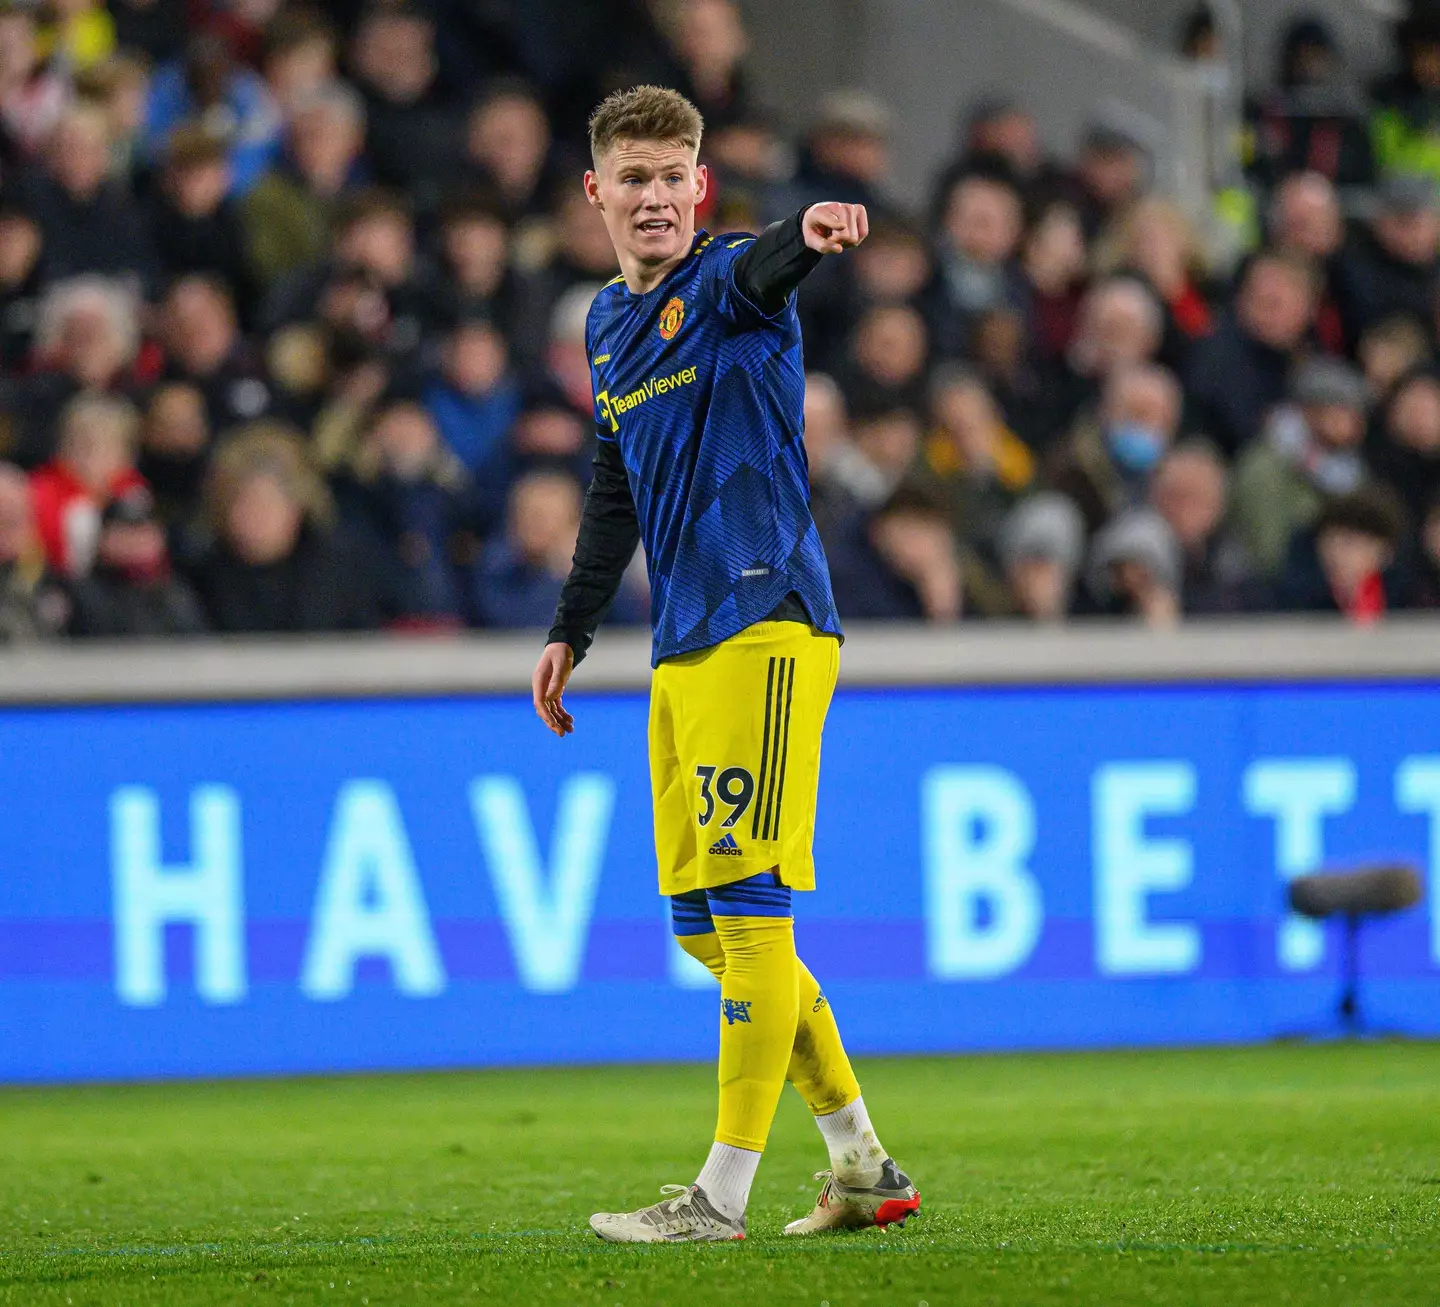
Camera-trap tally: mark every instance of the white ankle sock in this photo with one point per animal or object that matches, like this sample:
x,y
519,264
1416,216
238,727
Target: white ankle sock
x,y
856,1156
727,1176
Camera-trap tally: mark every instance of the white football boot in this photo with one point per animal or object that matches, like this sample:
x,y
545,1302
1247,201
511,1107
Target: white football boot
x,y
686,1217
891,1200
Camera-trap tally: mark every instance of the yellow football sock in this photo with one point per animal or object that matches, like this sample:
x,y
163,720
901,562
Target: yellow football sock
x,y
819,1067
705,949
759,1008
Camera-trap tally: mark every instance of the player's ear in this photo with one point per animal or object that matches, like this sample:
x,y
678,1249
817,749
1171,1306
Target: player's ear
x,y
702,182
592,187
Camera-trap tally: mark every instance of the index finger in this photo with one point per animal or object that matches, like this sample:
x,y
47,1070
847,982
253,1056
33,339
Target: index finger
x,y
862,222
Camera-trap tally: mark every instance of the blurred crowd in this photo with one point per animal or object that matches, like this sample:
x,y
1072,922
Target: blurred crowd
x,y
292,306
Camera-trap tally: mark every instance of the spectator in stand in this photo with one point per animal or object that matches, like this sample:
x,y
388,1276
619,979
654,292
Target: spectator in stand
x,y
1388,350
892,266
1406,450
120,88
551,434
1305,221
298,365
475,257
357,377
710,44
1394,265
1314,120
375,283
1345,562
582,253
842,480
886,364
1234,377
847,155
1001,353
154,29
1425,589
77,35
517,583
87,337
31,604
1121,325
1405,125
1000,132
1305,217
1042,545
1154,239
1308,452
210,88
32,92
889,443
412,498
174,446
1134,569
976,271
414,134
20,244
289,213
94,462
277,563
195,223
1189,491
971,462
1113,170
749,164
567,360
1004,130
204,346
1053,263
476,402
897,563
130,590
507,141
1106,463
91,224
300,58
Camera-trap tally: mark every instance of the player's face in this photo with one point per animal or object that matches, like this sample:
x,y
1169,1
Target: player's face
x,y
648,191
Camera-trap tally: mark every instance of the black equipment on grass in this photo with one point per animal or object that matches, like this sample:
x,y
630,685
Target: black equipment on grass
x,y
1377,890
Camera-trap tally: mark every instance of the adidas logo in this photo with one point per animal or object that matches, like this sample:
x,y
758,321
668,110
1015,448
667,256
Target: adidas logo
x,y
726,848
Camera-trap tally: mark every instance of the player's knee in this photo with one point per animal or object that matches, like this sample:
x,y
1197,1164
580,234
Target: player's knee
x,y
707,950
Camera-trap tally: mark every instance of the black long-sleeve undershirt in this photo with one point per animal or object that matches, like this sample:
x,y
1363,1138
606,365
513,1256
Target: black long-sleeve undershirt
x,y
775,264
609,533
765,275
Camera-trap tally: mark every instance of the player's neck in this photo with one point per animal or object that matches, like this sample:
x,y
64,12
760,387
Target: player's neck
x,y
641,278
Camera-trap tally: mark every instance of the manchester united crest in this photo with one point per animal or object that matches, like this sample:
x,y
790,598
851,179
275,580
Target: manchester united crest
x,y
671,316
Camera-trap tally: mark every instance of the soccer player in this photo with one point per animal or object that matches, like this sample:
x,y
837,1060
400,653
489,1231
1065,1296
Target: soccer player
x,y
699,387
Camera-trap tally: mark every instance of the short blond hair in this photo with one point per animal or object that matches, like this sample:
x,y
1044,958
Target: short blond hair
x,y
267,447
114,414
644,113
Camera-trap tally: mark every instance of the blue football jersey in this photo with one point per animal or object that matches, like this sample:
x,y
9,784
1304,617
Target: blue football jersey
x,y
705,395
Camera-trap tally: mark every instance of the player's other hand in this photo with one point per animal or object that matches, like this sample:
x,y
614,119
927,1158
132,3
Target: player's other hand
x,y
552,673
830,228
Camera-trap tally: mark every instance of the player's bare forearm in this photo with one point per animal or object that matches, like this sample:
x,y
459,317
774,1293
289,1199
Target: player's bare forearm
x,y
547,685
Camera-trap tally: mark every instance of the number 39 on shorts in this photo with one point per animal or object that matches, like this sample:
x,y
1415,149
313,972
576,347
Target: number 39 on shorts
x,y
734,788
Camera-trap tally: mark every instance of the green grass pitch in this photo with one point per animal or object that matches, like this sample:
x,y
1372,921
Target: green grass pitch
x,y
1230,1176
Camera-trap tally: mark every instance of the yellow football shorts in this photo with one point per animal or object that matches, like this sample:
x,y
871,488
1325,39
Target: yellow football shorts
x,y
735,756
